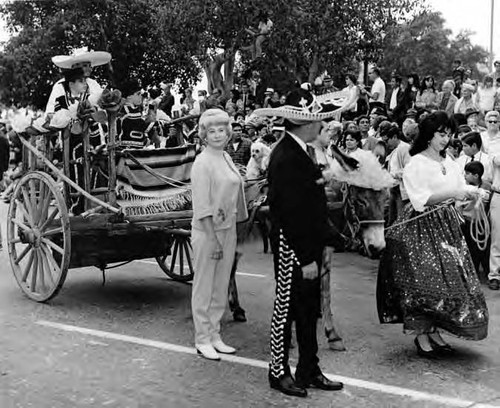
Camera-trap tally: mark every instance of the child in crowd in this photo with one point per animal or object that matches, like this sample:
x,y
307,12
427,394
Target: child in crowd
x,y
474,171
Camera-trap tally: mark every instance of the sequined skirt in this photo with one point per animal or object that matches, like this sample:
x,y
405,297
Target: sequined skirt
x,y
426,278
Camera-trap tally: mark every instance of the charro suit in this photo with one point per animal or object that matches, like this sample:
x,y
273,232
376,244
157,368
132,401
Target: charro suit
x,y
299,234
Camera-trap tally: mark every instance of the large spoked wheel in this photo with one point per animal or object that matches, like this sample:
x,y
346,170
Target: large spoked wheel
x,y
38,236
180,265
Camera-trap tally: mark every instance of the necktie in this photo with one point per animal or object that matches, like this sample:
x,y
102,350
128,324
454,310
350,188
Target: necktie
x,y
472,158
312,154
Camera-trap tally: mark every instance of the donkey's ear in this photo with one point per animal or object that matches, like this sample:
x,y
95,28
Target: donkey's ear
x,y
347,162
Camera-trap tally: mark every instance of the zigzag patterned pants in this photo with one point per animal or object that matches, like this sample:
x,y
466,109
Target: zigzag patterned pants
x,y
298,300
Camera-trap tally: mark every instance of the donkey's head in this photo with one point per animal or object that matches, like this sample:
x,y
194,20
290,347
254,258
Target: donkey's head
x,y
369,209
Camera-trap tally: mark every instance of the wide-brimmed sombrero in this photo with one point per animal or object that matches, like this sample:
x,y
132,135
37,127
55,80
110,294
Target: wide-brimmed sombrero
x,y
301,106
95,58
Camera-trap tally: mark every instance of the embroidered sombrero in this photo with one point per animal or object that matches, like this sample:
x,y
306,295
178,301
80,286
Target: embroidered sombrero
x,y
95,58
301,106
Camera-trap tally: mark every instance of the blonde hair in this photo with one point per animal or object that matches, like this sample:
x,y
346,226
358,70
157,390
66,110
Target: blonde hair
x,y
491,114
213,117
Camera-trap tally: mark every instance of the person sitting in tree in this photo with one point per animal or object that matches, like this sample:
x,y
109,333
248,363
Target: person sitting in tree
x,y
263,31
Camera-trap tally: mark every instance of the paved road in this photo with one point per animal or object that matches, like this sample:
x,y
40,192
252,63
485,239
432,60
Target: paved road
x,y
44,366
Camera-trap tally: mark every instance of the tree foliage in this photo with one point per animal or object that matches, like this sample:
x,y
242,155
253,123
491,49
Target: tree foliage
x,y
424,45
177,40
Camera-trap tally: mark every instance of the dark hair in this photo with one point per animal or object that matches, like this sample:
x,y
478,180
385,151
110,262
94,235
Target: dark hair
x,y
475,167
236,95
355,134
435,122
416,80
353,78
376,70
237,115
397,78
472,138
423,86
360,118
456,144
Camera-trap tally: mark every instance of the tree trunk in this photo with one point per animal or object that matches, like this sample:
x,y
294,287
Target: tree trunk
x,y
228,75
213,70
314,68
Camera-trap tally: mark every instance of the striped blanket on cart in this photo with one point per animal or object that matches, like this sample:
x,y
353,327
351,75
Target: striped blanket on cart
x,y
155,181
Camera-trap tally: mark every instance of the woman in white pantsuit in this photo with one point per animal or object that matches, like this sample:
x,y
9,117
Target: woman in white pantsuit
x,y
218,203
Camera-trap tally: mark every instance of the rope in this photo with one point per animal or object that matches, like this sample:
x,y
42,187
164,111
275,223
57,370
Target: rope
x,y
425,214
480,229
168,180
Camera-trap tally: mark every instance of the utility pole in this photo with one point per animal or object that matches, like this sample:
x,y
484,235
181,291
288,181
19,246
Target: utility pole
x,y
491,34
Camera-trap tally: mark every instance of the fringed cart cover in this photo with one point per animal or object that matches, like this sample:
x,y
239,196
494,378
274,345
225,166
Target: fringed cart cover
x,y
155,181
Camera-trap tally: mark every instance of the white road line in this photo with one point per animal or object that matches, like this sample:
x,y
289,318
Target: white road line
x,y
253,275
383,388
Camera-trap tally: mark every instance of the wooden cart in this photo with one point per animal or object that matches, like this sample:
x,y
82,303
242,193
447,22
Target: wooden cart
x,y
45,241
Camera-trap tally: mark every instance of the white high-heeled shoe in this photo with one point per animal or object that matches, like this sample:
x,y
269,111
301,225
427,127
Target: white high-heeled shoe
x,y
223,348
207,351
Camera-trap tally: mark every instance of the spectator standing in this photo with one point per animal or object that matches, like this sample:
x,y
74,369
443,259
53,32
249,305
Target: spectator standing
x,y
377,92
492,131
466,101
494,154
348,110
411,90
495,74
398,105
485,95
239,147
167,100
471,148
458,75
427,95
445,99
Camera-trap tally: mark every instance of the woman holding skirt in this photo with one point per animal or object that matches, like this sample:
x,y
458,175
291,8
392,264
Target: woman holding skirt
x,y
426,277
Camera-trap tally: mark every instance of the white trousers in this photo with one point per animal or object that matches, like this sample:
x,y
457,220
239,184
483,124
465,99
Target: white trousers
x,y
495,237
210,284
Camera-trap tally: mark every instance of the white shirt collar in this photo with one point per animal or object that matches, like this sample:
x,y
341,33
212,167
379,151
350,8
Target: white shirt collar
x,y
301,143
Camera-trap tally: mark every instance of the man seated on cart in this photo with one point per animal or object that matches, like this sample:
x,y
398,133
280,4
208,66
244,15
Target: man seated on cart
x,y
134,130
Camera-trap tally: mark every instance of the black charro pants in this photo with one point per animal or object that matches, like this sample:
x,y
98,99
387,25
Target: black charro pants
x,y
297,299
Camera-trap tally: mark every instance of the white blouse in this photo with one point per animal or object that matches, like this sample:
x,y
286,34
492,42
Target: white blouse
x,y
423,177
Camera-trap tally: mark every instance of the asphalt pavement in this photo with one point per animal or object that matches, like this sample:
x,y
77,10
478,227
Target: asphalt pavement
x,y
129,344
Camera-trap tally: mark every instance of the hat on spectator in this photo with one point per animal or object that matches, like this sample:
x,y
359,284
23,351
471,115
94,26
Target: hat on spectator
x,y
469,87
301,107
471,111
327,78
236,125
269,91
464,129
377,111
497,62
492,114
278,128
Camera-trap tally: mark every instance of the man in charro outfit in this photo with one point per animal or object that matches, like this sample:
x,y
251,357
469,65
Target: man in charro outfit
x,y
299,236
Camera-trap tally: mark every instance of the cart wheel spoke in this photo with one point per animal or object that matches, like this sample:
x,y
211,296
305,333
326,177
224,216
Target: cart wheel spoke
x,y
34,274
28,266
51,260
54,231
41,272
23,254
188,257
46,266
181,257
27,204
51,218
24,227
174,255
53,245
